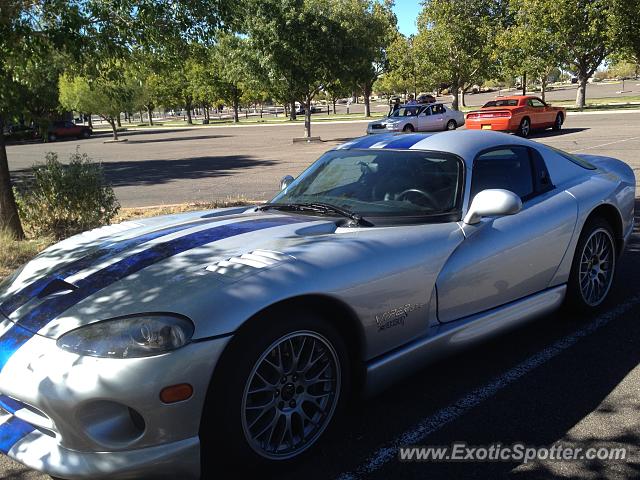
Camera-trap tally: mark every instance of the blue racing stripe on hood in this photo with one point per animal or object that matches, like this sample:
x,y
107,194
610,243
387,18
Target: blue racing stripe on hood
x,y
366,142
12,431
10,405
50,308
103,253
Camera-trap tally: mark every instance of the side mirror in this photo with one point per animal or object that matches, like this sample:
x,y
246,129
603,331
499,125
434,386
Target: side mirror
x,y
492,203
286,181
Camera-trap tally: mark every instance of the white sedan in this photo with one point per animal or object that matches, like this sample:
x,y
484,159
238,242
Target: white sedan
x,y
419,118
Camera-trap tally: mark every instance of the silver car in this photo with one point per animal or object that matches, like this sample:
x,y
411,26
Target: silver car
x,y
419,118
160,348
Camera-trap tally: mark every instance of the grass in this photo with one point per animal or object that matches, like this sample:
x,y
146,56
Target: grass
x,y
14,254
252,120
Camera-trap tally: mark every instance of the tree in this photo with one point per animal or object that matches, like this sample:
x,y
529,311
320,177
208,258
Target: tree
x,y
404,74
29,32
626,27
587,33
373,26
102,96
301,44
527,46
455,40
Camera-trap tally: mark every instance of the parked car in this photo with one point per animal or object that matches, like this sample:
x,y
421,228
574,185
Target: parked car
x,y
418,118
150,348
21,132
519,114
314,109
426,98
66,129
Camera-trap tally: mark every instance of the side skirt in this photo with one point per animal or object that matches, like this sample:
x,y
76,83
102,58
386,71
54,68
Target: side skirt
x,y
448,338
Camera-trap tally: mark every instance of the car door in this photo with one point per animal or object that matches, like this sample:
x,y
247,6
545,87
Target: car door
x,y
539,112
429,120
506,258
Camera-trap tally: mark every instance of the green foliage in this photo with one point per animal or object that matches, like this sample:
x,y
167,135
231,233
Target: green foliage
x,y
62,200
456,39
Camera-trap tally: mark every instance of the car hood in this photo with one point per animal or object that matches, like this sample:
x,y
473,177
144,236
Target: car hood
x,y
141,266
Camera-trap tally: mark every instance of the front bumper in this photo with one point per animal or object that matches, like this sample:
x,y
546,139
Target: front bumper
x,y
83,417
372,131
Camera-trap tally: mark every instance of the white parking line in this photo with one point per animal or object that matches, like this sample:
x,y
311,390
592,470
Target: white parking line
x,y
605,144
435,422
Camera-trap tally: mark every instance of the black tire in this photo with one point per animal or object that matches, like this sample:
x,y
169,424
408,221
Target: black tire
x,y
408,128
85,134
225,419
557,125
585,264
52,137
525,127
451,125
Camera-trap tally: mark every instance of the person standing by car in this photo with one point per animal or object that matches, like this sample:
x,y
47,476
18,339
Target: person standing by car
x,y
394,106
412,101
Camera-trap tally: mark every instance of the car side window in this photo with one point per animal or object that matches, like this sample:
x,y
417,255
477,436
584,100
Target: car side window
x,y
534,102
438,109
542,179
508,168
426,111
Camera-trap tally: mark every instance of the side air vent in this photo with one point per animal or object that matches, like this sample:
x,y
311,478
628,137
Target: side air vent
x,y
235,268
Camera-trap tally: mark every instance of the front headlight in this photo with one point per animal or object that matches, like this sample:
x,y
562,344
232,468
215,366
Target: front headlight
x,y
129,337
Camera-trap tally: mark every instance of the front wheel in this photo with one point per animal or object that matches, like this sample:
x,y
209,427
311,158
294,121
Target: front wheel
x,y
281,385
593,267
52,137
408,129
451,125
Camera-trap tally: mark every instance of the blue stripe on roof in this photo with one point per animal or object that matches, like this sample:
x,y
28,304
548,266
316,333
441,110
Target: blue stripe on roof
x,y
405,141
369,140
102,254
49,309
12,431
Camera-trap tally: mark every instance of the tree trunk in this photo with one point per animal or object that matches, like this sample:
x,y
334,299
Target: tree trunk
x,y
334,106
236,102
150,113
543,83
463,99
524,83
292,111
90,121
189,107
455,93
9,219
119,122
581,95
112,122
307,118
366,92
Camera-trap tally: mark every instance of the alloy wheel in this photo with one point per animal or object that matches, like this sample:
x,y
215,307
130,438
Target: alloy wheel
x,y
597,264
291,395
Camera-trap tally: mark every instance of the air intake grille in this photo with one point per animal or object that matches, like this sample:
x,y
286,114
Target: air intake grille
x,y
237,267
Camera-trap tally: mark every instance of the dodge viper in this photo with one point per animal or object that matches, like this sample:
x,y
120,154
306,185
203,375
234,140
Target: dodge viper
x,y
159,348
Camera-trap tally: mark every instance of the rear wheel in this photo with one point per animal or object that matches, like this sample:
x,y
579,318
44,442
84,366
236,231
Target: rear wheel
x,y
525,128
278,390
557,125
451,125
85,134
52,137
593,267
408,128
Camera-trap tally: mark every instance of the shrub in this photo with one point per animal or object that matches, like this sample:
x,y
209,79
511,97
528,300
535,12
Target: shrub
x,y
62,200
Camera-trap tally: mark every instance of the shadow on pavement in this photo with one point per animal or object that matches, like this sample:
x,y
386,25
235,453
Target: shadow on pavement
x,y
552,133
152,172
177,139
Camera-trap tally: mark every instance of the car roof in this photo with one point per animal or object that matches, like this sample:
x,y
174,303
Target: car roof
x,y
422,104
464,143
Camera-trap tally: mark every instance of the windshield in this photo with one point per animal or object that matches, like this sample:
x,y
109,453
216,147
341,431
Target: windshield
x,y
501,103
405,112
381,183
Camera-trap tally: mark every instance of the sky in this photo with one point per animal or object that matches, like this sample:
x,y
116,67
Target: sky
x,y
407,12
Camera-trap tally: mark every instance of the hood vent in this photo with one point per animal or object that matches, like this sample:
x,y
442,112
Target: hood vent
x,y
237,267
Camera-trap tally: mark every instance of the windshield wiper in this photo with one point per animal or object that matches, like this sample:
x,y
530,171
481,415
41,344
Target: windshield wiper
x,y
317,207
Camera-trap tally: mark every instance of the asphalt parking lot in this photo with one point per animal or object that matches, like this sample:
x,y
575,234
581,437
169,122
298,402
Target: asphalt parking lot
x,y
168,166
563,378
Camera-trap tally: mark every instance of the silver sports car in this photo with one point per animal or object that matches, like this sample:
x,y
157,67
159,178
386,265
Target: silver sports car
x,y
158,348
419,118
